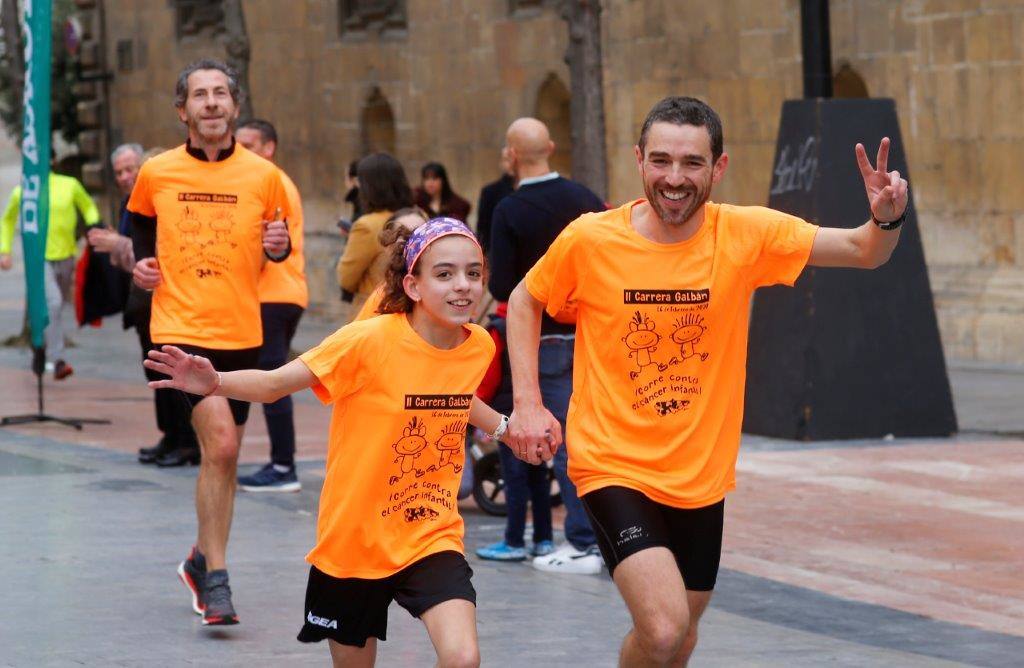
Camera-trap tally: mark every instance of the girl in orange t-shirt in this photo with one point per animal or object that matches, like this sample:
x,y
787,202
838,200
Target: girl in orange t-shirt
x,y
402,388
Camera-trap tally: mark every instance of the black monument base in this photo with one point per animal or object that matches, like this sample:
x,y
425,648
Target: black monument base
x,y
846,353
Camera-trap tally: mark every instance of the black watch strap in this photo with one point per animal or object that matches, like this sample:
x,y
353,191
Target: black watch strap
x,y
891,225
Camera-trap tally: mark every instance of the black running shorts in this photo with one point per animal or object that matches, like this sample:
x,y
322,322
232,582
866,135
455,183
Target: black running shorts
x,y
222,360
350,610
626,522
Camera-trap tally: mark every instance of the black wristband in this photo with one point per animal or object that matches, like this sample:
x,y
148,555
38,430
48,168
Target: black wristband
x,y
891,225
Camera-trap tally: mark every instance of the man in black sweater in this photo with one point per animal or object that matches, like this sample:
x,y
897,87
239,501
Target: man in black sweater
x,y
523,225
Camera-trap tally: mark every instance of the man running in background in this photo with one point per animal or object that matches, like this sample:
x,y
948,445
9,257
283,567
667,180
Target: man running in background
x,y
205,218
283,298
68,199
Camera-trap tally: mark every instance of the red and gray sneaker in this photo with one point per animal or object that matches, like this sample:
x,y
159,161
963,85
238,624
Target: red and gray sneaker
x,y
217,599
192,573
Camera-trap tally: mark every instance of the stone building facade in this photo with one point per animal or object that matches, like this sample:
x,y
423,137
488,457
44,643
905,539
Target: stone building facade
x,y
441,79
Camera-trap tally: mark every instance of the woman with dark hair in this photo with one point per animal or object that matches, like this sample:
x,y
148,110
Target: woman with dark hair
x,y
435,194
383,189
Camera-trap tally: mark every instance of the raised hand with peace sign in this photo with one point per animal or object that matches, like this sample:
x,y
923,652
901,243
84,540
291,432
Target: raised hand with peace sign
x,y
887,191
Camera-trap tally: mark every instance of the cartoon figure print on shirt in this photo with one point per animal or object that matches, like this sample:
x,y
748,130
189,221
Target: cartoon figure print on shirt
x,y
208,234
421,491
409,447
451,441
665,380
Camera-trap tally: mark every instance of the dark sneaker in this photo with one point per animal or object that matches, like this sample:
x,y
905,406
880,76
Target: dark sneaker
x,y
150,455
269,479
62,370
217,597
192,573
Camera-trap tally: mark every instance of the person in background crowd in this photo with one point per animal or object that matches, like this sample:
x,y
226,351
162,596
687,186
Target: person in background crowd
x,y
352,192
68,199
435,194
490,195
178,444
383,189
524,225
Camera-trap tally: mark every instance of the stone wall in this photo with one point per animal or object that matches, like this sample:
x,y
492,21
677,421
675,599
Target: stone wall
x,y
462,69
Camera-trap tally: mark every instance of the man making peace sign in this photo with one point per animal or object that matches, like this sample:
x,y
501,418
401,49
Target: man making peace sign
x,y
661,289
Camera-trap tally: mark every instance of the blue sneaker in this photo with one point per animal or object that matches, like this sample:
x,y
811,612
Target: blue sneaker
x,y
542,549
269,479
501,552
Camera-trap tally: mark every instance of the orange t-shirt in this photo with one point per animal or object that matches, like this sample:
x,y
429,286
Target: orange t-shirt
x,y
395,451
661,344
209,231
369,307
285,282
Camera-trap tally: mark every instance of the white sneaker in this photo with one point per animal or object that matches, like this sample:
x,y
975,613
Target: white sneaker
x,y
567,559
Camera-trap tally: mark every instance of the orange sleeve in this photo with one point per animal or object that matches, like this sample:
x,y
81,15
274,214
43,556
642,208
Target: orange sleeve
x,y
338,364
141,199
555,276
785,246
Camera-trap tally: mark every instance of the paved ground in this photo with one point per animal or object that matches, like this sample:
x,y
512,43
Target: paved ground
x,y
901,553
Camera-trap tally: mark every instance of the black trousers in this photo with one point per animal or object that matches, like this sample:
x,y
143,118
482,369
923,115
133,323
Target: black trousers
x,y
279,324
173,414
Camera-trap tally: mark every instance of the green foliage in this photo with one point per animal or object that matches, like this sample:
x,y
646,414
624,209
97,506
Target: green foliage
x,y
64,73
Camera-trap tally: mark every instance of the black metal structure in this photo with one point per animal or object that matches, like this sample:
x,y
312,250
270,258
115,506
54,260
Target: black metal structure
x,y
816,46
38,368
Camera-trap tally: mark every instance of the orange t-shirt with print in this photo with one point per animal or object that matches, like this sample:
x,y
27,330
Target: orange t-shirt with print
x,y
396,446
661,344
285,282
209,242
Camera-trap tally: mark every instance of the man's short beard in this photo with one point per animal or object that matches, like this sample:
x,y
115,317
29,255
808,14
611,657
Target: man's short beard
x,y
700,197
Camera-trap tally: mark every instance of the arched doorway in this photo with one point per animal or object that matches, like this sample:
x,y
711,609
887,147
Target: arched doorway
x,y
377,125
553,109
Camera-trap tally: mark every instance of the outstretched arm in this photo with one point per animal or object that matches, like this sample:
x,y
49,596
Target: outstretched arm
x,y
195,375
868,246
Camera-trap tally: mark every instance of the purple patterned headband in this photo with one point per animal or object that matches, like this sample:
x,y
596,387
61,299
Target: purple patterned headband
x,y
431,231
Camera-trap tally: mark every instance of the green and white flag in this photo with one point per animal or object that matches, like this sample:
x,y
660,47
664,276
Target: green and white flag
x,y
34,215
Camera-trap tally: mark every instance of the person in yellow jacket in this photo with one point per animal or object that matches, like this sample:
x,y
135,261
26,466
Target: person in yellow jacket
x,y
383,189
67,198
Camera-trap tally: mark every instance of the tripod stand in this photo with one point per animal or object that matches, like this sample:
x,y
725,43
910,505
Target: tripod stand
x,y
38,368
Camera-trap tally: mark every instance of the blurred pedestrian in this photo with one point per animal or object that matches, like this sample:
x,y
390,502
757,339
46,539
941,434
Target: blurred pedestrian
x,y
435,194
490,195
383,189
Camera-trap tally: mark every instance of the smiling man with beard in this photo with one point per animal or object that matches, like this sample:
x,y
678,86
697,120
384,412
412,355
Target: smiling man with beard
x,y
661,287
206,216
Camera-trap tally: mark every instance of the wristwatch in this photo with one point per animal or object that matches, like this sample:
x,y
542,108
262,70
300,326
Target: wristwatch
x,y
500,430
892,224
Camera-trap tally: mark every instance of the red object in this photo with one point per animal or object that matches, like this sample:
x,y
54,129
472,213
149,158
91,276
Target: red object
x,y
492,377
81,271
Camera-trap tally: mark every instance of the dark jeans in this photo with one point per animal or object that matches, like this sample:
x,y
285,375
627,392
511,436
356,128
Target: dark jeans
x,y
279,324
525,483
555,366
173,415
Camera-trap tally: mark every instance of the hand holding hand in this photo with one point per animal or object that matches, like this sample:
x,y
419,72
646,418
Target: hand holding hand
x,y
534,434
190,373
147,273
887,192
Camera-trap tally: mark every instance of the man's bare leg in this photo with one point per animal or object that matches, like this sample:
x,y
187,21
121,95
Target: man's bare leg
x,y
697,602
215,487
347,656
452,629
653,589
